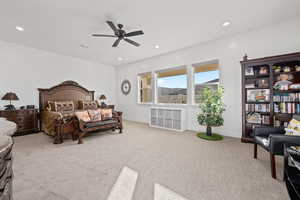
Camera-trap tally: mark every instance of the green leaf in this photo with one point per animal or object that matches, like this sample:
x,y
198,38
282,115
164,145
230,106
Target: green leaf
x,y
211,107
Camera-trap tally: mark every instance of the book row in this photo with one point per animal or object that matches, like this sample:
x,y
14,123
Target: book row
x,y
287,97
287,108
257,107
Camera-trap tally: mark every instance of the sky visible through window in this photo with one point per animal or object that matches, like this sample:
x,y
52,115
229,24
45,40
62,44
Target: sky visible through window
x,y
180,81
203,77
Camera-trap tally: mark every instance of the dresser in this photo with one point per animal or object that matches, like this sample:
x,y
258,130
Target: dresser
x,y
26,120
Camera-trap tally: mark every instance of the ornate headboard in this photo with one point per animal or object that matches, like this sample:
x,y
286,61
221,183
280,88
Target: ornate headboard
x,y
66,91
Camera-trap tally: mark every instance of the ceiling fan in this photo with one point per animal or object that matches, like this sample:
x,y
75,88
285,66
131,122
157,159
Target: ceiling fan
x,y
120,34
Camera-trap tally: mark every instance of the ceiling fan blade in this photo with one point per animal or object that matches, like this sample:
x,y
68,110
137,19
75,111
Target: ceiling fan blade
x,y
132,42
102,35
112,26
116,43
134,33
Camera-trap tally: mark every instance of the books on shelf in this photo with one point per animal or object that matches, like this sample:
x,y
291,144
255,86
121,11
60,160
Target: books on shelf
x,y
257,107
287,97
265,119
290,108
278,124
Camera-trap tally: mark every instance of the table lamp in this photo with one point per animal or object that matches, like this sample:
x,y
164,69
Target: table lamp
x,y
102,100
10,96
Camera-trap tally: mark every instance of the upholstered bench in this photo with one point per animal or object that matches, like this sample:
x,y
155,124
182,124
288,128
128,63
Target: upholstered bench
x,y
99,123
96,120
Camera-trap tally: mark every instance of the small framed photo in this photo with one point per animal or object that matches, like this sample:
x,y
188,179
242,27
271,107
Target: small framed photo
x,y
249,71
263,83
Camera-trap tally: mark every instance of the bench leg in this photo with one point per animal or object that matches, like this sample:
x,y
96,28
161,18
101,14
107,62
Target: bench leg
x,y
58,136
273,165
80,137
255,151
121,130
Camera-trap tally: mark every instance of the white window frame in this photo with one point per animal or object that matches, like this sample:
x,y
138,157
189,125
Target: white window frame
x,y
192,78
139,88
190,72
156,84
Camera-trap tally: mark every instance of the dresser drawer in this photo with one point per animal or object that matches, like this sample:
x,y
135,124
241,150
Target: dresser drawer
x,y
26,120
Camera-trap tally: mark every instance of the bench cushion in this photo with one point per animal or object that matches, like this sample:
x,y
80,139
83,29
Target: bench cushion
x,y
99,123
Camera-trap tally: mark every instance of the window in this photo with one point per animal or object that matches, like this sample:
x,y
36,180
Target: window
x,y
172,86
145,87
205,75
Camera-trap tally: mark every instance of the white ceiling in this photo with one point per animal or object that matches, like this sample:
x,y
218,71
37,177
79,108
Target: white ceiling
x,y
63,25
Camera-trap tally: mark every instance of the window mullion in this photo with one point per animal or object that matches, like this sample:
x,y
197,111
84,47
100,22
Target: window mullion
x,y
190,85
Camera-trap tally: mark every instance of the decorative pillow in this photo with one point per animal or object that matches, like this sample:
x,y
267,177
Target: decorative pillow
x,y
51,106
106,114
95,115
88,105
293,128
83,115
64,106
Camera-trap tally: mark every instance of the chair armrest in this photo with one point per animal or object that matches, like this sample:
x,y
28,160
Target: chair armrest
x,y
277,143
266,131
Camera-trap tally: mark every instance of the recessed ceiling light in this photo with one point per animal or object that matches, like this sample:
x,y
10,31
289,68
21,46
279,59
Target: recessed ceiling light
x,y
84,46
19,28
120,58
226,23
156,46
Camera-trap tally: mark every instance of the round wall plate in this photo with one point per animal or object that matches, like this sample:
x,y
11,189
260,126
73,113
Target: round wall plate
x,y
126,87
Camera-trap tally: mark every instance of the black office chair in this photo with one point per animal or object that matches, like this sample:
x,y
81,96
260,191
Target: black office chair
x,y
273,139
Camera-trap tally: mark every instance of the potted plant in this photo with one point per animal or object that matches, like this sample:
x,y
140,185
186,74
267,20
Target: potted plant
x,y
211,110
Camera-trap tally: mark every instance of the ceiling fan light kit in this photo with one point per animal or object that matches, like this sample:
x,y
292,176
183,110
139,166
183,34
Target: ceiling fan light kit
x,y
120,34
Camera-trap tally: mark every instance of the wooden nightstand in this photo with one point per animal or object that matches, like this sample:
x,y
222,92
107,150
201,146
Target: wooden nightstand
x,y
26,120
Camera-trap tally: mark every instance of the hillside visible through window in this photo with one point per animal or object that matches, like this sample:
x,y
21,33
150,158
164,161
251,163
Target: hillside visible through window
x,y
172,87
208,79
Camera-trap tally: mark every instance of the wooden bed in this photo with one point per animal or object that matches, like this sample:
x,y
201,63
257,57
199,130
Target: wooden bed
x,y
66,91
50,122
60,124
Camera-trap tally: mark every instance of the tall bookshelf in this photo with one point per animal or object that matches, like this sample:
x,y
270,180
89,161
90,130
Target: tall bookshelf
x,y
262,104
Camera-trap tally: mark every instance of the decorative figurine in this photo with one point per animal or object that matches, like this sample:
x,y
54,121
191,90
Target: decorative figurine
x,y
286,69
263,70
277,69
283,83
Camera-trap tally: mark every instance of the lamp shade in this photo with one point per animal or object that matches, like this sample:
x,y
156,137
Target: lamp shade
x,y
10,96
102,97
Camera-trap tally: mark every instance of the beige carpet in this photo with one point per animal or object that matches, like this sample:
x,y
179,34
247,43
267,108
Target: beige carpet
x,y
181,162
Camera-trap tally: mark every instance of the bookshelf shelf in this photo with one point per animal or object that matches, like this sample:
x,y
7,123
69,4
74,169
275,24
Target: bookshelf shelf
x,y
258,80
258,88
258,76
257,102
287,91
292,72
